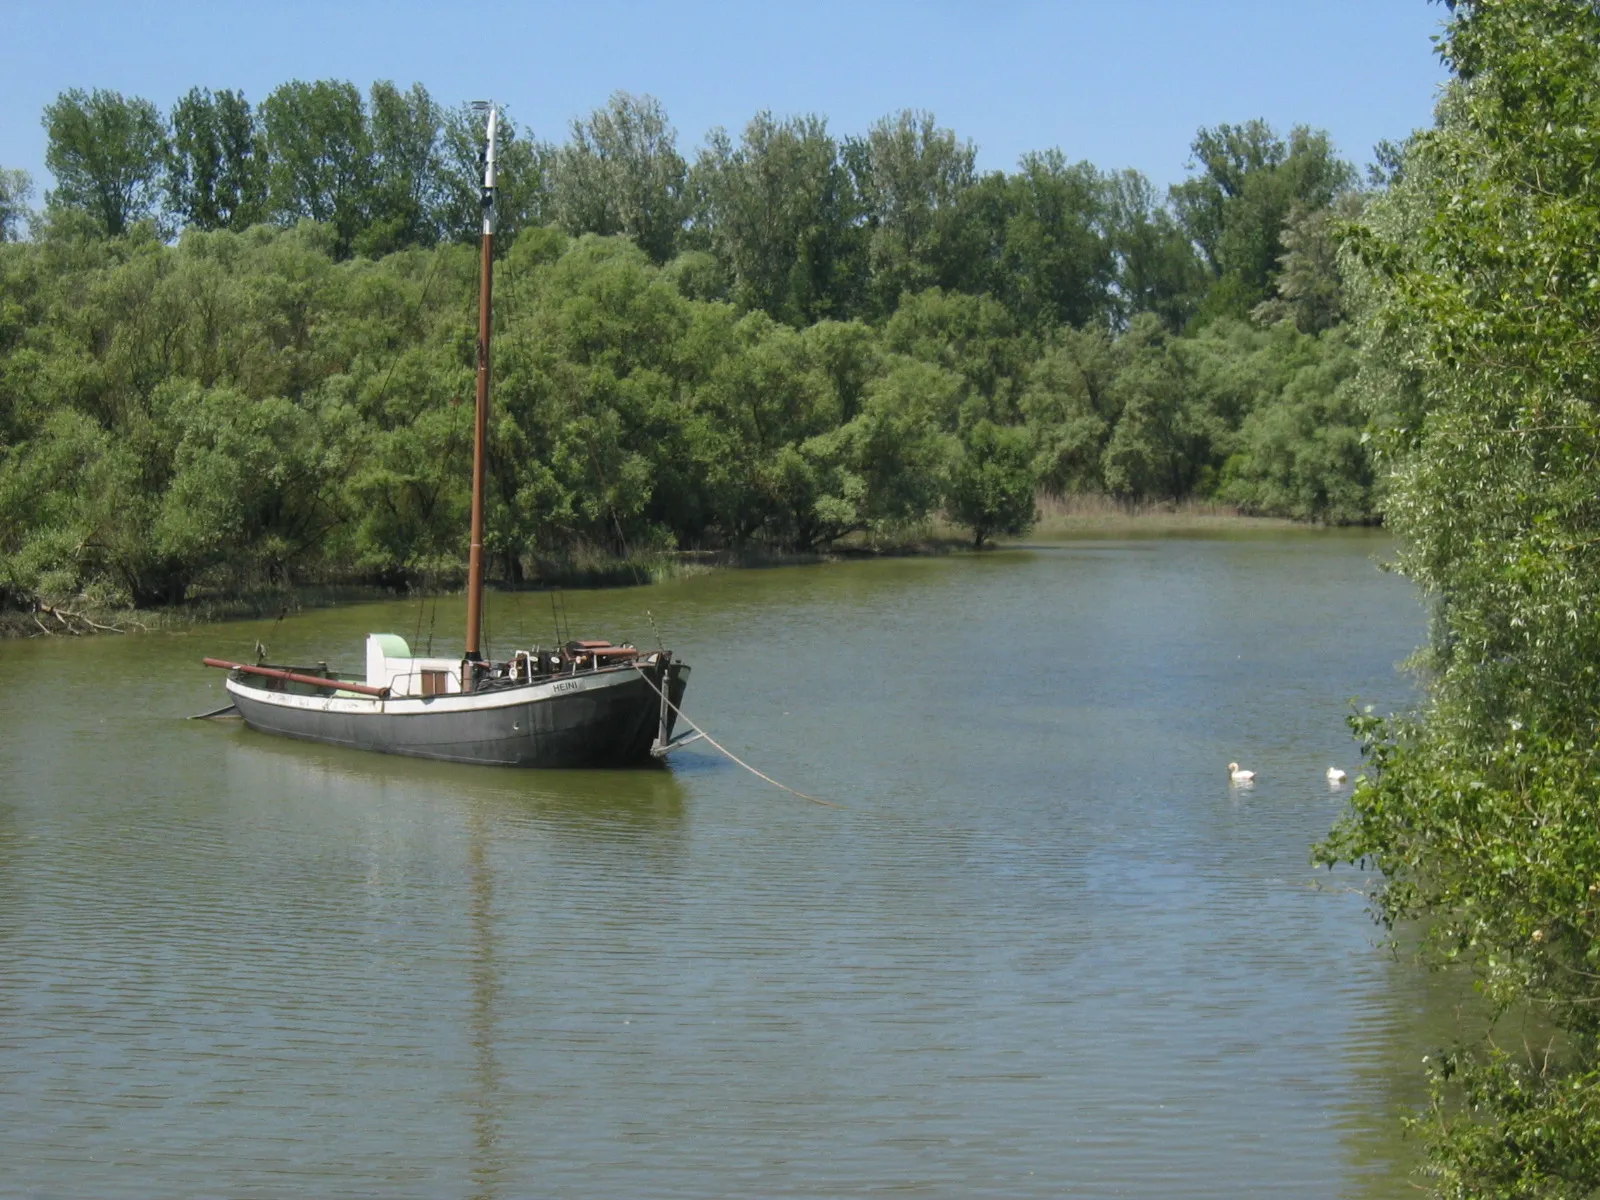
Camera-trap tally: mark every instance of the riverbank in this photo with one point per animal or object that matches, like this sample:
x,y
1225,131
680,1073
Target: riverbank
x,y
1106,516
79,617
1059,520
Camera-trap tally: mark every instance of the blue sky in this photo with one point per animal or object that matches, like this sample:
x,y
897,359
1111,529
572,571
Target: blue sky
x,y
1122,83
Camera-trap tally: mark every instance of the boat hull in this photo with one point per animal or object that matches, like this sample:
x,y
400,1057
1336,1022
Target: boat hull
x,y
602,718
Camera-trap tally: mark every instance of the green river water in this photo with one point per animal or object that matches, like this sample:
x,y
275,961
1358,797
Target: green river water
x,y
1045,949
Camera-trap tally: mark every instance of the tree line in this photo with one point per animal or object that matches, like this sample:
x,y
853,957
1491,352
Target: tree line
x,y
801,224
232,341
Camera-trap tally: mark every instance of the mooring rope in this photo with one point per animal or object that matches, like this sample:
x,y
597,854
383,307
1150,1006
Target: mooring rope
x,y
724,750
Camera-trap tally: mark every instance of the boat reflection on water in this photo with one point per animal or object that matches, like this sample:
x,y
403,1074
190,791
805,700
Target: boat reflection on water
x,y
12,899
489,1169
621,803
493,847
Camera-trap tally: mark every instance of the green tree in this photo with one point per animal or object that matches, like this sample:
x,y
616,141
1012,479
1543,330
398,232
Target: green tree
x,y
1476,287
249,487
992,485
821,480
897,446
522,165
1070,403
622,174
1156,269
779,212
910,176
975,338
1300,449
16,189
106,153
1309,288
1160,444
1247,182
321,157
1055,265
272,401
404,129
216,173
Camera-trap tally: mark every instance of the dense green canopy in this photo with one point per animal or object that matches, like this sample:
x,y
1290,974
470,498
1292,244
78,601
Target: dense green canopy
x,y
1479,295
235,346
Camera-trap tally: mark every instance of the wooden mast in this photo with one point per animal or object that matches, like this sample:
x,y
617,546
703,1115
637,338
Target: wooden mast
x,y
481,424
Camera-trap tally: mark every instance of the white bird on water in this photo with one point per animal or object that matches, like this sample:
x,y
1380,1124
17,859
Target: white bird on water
x,y
1236,775
1335,775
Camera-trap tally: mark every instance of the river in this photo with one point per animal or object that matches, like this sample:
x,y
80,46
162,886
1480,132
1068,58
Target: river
x,y
1044,948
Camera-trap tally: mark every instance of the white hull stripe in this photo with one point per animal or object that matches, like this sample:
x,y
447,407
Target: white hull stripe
x,y
421,706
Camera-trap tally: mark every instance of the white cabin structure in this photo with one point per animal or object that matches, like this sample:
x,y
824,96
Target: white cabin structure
x,y
390,664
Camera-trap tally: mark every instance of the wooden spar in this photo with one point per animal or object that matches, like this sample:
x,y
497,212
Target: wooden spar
x,y
481,424
333,685
227,710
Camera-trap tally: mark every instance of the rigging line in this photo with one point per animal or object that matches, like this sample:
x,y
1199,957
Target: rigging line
x,y
509,297
430,578
422,603
622,538
452,439
416,311
723,749
488,644
433,269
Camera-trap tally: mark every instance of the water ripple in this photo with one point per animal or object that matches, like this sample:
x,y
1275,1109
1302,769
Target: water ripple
x,y
1044,949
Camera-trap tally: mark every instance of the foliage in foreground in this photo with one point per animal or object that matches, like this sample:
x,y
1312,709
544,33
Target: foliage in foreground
x,y
1480,303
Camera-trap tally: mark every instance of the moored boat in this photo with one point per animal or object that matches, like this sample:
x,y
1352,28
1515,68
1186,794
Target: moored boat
x,y
585,703
581,705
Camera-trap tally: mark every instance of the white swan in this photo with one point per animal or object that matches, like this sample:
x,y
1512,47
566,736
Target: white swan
x,y
1236,775
1335,775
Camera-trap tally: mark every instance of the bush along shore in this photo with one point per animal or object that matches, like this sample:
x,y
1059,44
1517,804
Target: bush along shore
x,y
248,365
83,616
1076,517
